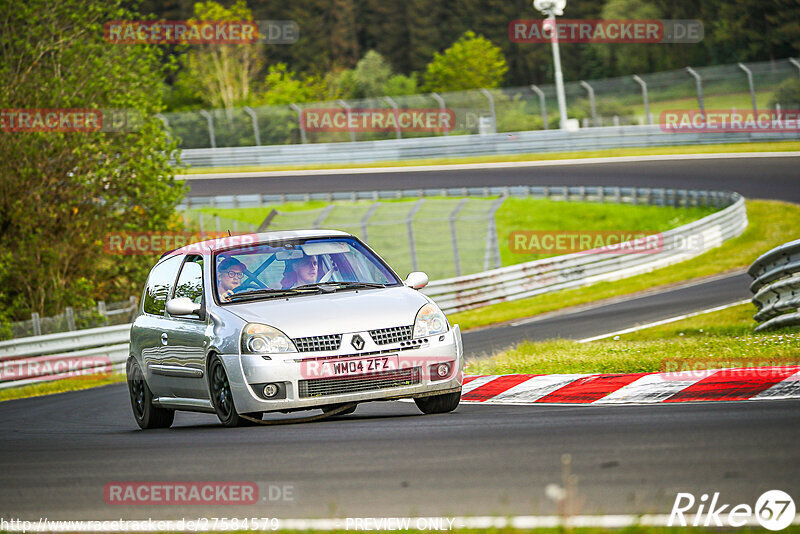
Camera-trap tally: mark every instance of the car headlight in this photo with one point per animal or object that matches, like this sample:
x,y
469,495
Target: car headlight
x,y
263,339
429,321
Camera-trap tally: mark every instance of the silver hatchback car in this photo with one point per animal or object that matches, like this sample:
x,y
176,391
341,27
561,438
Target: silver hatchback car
x,y
286,321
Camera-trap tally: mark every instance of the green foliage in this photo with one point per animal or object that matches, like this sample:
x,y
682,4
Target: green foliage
x,y
283,87
61,193
787,94
373,77
629,58
221,75
472,62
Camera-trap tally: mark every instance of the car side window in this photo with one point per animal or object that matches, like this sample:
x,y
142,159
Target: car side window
x,y
159,285
190,281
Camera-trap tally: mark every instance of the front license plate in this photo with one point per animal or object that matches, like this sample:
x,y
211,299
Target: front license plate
x,y
361,366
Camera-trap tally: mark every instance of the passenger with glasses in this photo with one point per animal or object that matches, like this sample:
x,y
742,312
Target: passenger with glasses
x,y
230,273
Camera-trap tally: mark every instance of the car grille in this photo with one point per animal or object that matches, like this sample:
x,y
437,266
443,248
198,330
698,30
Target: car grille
x,y
317,343
353,384
385,336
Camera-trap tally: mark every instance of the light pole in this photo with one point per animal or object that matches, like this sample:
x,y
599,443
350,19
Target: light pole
x,y
551,8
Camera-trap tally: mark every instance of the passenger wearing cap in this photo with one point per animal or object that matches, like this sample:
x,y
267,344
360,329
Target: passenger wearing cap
x,y
230,273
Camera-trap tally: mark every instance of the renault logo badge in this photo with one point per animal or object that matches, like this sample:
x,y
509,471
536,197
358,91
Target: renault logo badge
x,y
357,342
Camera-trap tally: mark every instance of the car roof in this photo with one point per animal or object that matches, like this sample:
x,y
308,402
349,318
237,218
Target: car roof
x,y
210,245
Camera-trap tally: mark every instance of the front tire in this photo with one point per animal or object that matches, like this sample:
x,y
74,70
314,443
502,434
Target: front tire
x,y
146,414
222,399
439,403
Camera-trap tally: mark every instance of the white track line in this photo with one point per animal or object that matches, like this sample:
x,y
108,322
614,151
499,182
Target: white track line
x,y
662,321
471,166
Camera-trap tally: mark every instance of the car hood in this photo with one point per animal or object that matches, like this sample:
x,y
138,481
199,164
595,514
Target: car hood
x,y
335,313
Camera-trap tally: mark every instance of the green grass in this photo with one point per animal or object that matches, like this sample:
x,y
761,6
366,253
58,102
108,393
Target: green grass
x,y
59,386
780,146
710,341
771,223
388,233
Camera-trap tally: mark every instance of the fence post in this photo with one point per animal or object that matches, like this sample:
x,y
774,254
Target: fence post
x,y
492,244
210,121
69,314
346,107
410,226
454,235
750,86
267,220
592,103
303,137
699,82
647,116
535,89
256,132
392,103
365,220
796,63
440,101
36,323
322,216
489,96
101,309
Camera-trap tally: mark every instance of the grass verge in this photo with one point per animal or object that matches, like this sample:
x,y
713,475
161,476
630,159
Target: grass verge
x,y
714,340
779,146
59,386
771,223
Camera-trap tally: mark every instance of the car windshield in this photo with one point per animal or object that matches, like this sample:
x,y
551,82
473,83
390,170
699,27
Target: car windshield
x,y
298,267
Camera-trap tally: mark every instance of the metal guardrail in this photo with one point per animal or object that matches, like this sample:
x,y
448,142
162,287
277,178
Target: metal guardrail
x,y
466,145
579,269
776,284
452,294
63,355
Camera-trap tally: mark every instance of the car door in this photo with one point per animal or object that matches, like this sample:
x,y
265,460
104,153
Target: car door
x,y
187,338
150,327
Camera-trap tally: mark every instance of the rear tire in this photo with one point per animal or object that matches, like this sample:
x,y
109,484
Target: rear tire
x,y
439,403
146,414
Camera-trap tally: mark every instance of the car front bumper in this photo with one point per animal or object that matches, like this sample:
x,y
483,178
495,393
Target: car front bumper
x,y
299,377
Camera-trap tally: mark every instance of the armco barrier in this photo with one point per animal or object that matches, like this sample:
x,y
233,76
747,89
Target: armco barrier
x,y
464,292
466,145
46,356
776,286
579,269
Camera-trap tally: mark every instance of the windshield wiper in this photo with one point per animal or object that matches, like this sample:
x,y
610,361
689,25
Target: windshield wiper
x,y
244,295
341,285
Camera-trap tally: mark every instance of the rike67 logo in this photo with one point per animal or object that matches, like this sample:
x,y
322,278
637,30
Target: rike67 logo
x,y
774,510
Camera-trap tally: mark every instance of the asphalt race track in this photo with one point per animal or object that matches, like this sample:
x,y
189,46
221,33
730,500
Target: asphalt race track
x,y
756,177
59,452
595,320
387,459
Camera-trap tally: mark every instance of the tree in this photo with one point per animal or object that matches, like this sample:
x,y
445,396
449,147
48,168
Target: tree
x,y
283,87
628,58
472,62
222,74
62,193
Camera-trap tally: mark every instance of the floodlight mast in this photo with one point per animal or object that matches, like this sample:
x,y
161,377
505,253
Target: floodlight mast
x,y
551,8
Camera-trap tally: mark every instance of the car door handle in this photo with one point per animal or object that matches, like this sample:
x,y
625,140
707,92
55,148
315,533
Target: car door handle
x,y
164,338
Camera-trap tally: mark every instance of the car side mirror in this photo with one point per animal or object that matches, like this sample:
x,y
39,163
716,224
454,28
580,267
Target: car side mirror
x,y
416,280
183,306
